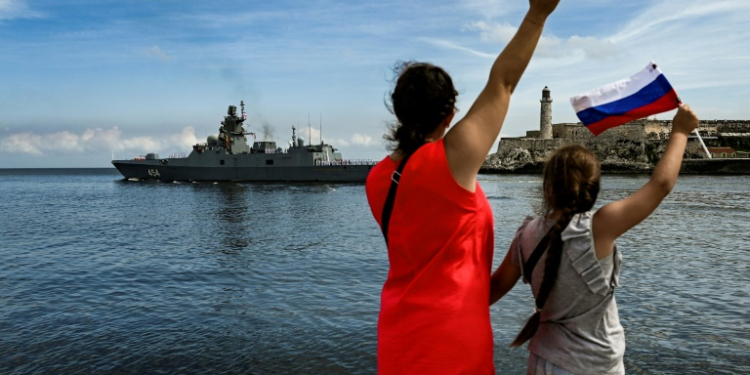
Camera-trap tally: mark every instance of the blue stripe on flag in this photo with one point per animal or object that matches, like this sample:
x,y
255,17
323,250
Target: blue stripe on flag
x,y
647,95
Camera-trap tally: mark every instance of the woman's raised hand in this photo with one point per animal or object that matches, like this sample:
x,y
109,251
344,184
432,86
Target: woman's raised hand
x,y
542,7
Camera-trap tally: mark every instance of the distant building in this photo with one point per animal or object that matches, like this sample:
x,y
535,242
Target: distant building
x,y
722,152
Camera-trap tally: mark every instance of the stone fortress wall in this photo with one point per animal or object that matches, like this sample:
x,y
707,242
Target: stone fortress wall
x,y
635,146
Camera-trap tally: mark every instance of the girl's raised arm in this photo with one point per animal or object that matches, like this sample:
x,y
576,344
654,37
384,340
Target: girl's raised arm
x,y
618,217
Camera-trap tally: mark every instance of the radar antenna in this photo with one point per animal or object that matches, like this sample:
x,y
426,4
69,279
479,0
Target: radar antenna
x,y
309,129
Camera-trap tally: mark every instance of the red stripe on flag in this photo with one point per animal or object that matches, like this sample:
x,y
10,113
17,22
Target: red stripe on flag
x,y
667,102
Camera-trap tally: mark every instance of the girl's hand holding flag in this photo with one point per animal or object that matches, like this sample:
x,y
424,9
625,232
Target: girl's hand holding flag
x,y
685,121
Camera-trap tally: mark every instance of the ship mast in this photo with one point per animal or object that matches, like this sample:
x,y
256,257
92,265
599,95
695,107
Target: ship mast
x,y
309,129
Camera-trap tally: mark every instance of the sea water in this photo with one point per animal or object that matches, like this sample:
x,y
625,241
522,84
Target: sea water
x,y
104,276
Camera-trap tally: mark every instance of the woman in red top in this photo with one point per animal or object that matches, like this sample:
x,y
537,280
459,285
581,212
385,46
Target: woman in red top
x,y
434,314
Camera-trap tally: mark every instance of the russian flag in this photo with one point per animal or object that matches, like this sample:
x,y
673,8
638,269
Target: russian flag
x,y
645,93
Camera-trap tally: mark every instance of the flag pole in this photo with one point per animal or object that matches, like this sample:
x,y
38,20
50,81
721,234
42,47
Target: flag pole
x,y
702,144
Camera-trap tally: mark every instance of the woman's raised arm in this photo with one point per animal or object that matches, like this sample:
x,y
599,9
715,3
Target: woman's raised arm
x,y
470,140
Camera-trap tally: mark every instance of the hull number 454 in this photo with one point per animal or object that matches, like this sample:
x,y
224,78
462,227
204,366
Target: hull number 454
x,y
154,173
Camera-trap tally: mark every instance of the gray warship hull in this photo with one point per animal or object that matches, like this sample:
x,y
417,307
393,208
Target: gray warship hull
x,y
238,169
228,157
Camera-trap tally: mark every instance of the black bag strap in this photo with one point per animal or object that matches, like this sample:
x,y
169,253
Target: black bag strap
x,y
528,267
391,199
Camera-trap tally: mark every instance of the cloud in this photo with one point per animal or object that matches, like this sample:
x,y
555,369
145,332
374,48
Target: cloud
x,y
36,144
106,138
341,142
356,140
451,45
362,140
309,134
549,45
658,18
185,139
24,143
155,52
494,32
92,140
597,49
10,9
141,144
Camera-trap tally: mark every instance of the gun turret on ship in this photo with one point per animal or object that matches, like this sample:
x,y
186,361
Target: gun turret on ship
x,y
228,157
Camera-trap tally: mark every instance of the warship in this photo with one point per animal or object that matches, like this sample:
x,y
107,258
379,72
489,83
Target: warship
x,y
228,157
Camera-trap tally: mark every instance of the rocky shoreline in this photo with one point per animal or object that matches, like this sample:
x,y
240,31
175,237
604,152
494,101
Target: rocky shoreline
x,y
522,165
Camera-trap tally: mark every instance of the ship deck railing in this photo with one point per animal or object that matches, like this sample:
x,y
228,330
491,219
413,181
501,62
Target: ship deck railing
x,y
345,162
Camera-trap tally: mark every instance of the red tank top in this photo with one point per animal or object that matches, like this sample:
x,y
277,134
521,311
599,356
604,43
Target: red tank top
x,y
434,312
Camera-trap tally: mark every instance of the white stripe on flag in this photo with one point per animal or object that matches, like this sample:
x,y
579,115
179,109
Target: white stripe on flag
x,y
616,90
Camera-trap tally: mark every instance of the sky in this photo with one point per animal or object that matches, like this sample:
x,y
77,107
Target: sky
x,y
83,81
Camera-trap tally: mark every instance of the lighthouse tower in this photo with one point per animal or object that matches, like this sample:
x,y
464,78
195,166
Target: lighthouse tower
x,y
545,122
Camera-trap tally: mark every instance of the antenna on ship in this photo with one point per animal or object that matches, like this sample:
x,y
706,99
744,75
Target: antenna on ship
x,y
321,128
309,128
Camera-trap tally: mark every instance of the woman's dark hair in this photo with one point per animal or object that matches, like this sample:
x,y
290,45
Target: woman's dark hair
x,y
571,185
423,97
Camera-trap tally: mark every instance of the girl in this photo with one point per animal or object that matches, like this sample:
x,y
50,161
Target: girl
x,y
570,259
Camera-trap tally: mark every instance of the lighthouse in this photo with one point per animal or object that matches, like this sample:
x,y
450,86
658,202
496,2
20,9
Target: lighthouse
x,y
545,121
